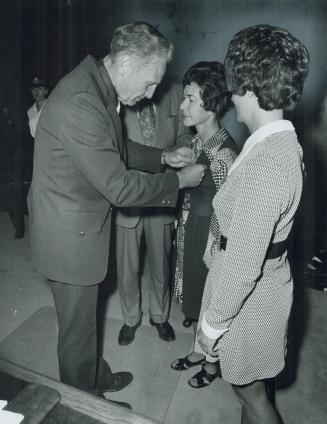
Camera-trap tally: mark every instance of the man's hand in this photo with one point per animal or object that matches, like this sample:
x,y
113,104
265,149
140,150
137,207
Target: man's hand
x,y
207,344
179,157
191,175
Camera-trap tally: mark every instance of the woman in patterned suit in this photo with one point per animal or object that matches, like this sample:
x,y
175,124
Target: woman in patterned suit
x,y
248,292
205,101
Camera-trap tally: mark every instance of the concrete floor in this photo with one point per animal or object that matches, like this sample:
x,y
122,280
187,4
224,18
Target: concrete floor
x,y
301,397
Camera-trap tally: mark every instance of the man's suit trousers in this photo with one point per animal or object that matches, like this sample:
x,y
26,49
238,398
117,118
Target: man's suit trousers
x,y
158,239
79,363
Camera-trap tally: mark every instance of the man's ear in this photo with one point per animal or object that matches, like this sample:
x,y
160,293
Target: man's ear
x,y
124,63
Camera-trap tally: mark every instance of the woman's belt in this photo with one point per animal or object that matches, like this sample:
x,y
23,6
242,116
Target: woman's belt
x,y
275,250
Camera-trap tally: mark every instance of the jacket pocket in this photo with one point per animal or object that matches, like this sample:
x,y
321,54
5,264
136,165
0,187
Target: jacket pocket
x,y
81,222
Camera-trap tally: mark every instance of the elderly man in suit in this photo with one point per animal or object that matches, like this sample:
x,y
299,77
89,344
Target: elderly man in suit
x,y
80,173
154,122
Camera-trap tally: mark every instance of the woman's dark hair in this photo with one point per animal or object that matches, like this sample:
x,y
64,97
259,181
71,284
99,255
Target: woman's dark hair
x,y
210,77
270,62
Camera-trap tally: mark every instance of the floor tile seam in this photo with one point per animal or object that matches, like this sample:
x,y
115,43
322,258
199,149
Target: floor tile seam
x,y
172,397
174,391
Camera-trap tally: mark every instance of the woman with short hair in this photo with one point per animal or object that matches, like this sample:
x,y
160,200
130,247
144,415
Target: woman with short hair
x,y
205,102
249,288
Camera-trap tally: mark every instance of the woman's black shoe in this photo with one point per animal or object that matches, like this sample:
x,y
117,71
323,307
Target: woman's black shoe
x,y
203,378
183,364
318,264
188,322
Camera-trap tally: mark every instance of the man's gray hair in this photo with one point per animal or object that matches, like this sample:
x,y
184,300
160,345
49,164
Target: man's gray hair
x,y
140,39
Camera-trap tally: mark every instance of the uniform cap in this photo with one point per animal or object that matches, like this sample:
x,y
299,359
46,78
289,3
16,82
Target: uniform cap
x,y
38,82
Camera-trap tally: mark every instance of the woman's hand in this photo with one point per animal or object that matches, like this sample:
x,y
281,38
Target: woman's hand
x,y
208,345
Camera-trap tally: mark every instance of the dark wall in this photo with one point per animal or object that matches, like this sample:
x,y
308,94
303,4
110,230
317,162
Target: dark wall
x,y
37,37
202,29
51,36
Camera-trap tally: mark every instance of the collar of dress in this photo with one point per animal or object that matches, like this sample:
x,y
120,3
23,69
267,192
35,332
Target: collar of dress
x,y
259,135
211,144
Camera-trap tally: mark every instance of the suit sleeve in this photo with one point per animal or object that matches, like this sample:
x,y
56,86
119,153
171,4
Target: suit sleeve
x,y
257,210
143,158
91,142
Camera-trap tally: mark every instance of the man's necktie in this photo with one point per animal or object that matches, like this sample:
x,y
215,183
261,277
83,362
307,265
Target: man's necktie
x,y
147,119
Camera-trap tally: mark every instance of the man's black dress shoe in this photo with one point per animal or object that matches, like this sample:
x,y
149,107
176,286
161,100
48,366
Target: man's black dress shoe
x,y
126,335
19,235
123,404
119,381
165,330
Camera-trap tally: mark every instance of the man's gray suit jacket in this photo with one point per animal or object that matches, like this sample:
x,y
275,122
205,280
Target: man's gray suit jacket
x,y
79,173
